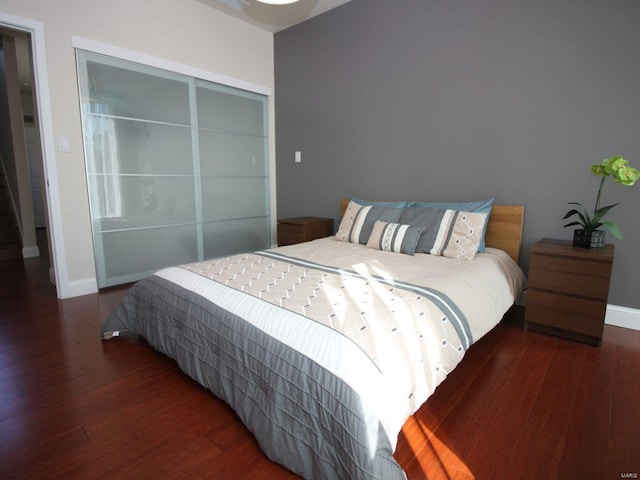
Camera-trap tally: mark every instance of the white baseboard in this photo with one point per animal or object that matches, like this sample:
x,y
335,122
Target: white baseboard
x,y
77,288
30,251
622,317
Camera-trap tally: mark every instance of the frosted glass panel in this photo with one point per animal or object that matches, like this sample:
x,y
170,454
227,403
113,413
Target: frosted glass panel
x,y
134,147
223,154
235,236
165,189
230,110
126,89
229,198
144,201
144,251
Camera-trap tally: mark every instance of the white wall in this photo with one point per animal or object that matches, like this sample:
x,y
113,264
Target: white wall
x,y
181,31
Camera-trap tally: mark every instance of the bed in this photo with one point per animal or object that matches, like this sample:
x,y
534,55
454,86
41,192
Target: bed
x,y
324,349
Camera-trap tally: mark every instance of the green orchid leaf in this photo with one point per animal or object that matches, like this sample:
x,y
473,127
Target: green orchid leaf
x,y
609,207
570,213
584,220
601,212
584,215
613,228
572,224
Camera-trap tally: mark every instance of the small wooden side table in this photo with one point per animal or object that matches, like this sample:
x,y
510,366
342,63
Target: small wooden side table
x,y
568,290
303,229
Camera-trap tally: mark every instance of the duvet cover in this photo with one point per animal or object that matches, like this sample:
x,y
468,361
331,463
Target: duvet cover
x,y
323,349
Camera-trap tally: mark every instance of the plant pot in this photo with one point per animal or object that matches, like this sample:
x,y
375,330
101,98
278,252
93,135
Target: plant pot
x,y
588,238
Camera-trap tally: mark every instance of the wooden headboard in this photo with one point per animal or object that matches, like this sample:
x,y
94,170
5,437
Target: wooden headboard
x,y
504,230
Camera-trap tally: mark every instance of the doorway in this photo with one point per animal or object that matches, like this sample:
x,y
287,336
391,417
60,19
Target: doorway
x,y
37,115
20,150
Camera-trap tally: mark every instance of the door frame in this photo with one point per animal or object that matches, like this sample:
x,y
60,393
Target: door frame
x,y
45,124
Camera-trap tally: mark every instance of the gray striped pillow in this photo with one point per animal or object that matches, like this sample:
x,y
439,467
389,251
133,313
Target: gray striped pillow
x,y
394,237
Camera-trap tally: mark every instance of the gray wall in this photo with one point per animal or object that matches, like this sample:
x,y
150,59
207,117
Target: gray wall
x,y
462,100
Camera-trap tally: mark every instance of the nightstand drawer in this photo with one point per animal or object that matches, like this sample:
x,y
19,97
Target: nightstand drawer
x,y
570,276
566,313
303,229
290,234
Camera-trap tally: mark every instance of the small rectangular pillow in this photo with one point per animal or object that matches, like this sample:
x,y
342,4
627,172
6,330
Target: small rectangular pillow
x,y
448,233
358,220
394,237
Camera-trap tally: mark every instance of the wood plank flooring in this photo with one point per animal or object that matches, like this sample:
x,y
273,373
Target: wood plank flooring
x,y
521,404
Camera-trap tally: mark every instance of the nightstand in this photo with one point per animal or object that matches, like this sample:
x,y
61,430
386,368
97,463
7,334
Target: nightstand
x,y
303,229
568,290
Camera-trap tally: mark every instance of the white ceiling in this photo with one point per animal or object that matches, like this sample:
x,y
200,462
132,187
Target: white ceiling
x,y
273,17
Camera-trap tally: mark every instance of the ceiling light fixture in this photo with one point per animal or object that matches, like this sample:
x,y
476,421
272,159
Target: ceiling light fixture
x,y
278,2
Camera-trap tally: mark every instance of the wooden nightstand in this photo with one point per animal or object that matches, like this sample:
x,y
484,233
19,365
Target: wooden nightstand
x,y
568,290
303,229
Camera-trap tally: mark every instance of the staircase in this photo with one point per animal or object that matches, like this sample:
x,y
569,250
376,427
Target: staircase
x,y
10,246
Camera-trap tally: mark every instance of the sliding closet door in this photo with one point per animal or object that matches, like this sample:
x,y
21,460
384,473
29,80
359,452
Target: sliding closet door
x,y
165,170
232,135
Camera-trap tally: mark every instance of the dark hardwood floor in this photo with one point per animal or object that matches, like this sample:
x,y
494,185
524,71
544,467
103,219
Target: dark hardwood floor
x,y
520,405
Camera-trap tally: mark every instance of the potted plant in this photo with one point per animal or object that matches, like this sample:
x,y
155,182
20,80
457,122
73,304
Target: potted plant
x,y
590,235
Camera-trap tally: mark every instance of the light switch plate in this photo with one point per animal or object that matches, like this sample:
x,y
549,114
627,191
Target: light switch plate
x,y
64,143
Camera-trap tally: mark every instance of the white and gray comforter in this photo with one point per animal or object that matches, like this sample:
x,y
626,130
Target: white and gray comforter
x,y
323,349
